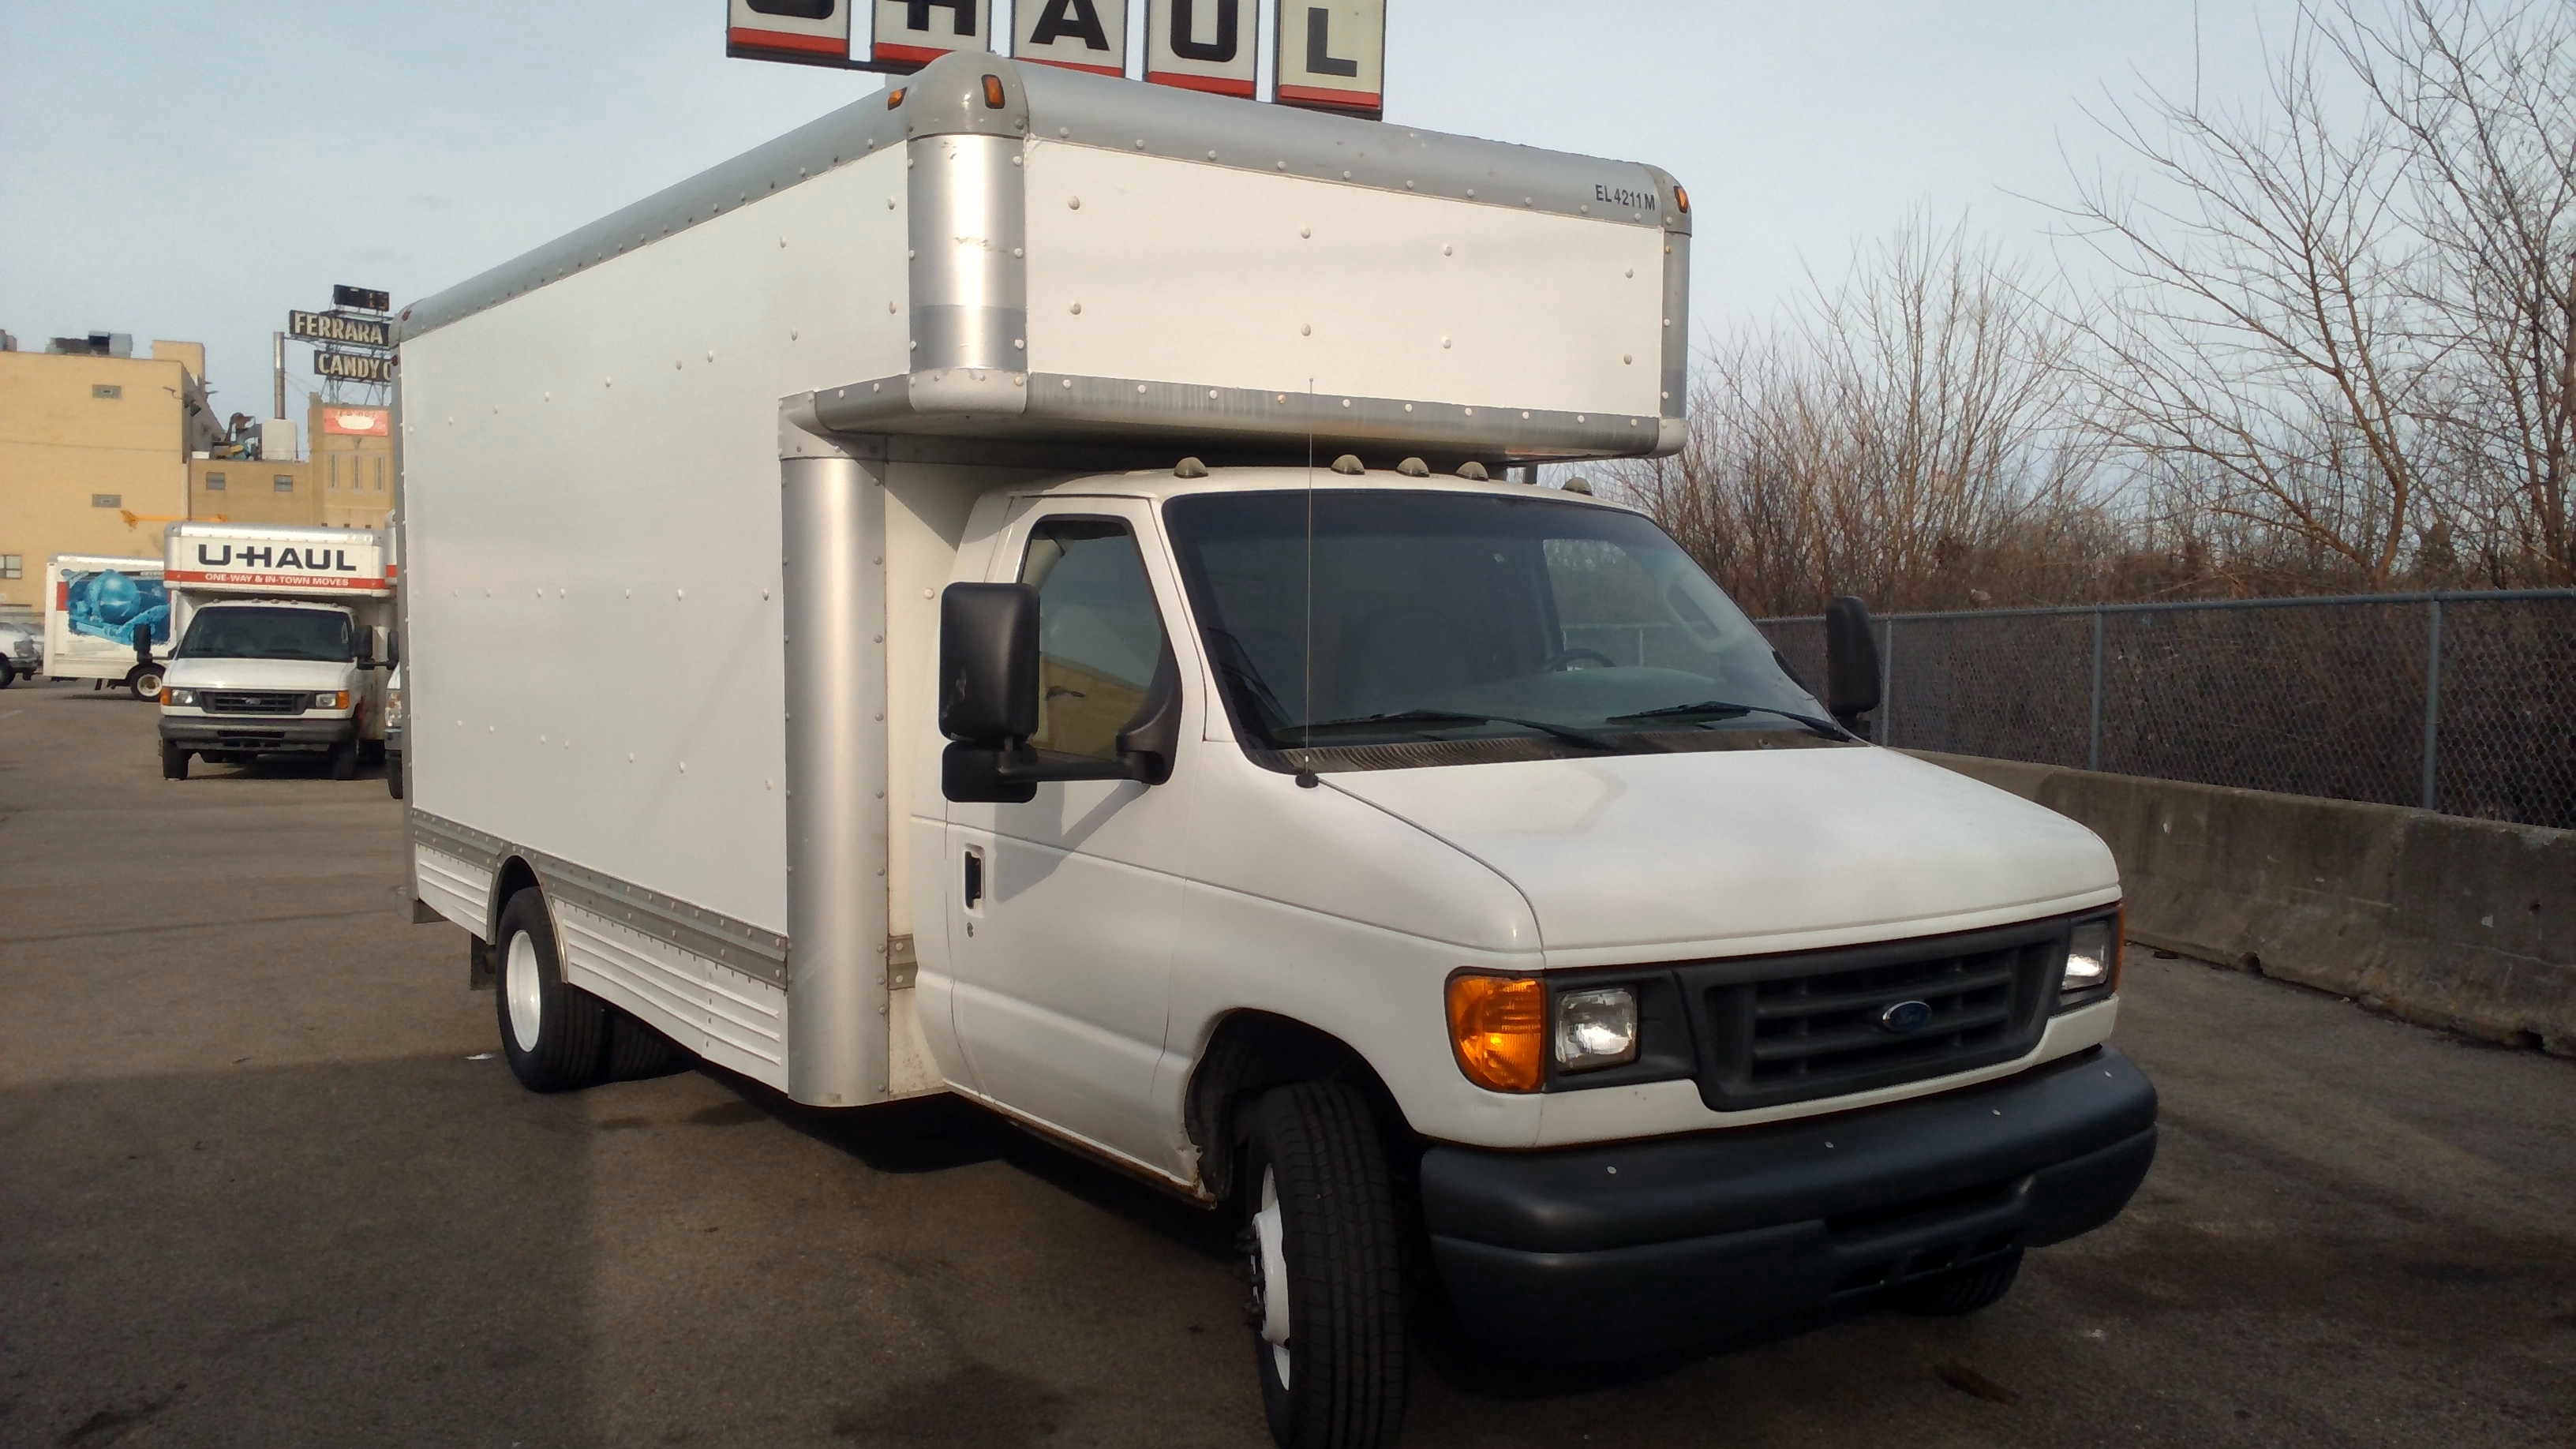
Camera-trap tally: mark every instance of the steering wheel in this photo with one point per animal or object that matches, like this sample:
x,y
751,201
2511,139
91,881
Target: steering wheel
x,y
1563,657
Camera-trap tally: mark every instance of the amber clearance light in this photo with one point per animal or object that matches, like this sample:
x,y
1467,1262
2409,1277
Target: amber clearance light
x,y
1498,1028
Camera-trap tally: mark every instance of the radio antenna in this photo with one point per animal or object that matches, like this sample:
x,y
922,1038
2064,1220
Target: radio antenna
x,y
1307,709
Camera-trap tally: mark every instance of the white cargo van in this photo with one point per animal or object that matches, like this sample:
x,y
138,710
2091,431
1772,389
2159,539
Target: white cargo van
x,y
1137,707
106,620
283,636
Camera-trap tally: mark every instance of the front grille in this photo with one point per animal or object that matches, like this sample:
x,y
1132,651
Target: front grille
x,y
253,701
1796,1028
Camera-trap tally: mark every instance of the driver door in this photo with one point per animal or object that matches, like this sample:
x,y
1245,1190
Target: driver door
x,y
1060,910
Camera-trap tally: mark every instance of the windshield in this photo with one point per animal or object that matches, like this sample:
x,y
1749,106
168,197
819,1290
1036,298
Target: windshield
x,y
238,633
1472,617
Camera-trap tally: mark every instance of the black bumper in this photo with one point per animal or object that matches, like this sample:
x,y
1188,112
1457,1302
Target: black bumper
x,y
256,734
1633,1248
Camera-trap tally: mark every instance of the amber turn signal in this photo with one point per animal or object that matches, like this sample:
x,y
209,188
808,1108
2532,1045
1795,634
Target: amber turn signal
x,y
1498,1028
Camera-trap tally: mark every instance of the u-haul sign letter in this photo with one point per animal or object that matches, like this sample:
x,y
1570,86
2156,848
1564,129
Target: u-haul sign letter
x,y
912,33
1202,45
806,32
1076,34
1332,55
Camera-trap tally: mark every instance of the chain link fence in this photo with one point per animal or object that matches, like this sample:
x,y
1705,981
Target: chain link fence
x,y
2458,702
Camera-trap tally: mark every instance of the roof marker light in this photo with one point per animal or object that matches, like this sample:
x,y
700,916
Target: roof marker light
x,y
993,97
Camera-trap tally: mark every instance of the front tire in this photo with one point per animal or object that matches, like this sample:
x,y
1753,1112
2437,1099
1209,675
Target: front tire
x,y
174,763
393,774
554,1035
8,674
1326,1257
344,760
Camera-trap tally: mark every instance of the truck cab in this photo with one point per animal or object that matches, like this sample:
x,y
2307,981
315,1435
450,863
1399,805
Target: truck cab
x,y
282,644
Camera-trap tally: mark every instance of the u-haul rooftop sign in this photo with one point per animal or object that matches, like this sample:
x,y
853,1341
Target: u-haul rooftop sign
x,y
351,563
1330,55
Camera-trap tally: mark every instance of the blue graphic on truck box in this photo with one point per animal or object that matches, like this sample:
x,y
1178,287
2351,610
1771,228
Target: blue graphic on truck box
x,y
108,603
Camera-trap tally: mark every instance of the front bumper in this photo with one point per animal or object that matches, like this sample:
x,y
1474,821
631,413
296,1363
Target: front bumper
x,y
257,734
1626,1249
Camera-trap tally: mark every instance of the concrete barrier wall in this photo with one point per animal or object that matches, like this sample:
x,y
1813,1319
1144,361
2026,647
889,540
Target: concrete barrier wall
x,y
2467,924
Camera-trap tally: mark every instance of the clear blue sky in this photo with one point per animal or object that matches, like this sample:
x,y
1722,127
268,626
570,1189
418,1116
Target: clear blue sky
x,y
193,171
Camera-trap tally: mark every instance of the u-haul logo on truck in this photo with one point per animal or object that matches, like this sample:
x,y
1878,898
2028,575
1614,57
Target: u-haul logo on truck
x,y
312,566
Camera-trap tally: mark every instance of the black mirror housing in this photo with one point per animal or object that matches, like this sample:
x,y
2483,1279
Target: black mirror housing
x,y
1851,663
143,642
366,647
988,663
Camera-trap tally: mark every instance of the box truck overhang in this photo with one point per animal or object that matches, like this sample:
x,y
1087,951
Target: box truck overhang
x,y
1517,304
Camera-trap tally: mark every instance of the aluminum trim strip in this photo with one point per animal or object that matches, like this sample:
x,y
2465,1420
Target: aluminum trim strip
x,y
737,945
986,402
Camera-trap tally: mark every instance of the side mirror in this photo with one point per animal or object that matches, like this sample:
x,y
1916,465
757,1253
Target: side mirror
x,y
393,649
988,664
143,643
988,705
1851,664
366,648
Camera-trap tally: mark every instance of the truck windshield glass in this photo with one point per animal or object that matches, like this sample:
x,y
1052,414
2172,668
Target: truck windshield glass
x,y
1466,616
233,633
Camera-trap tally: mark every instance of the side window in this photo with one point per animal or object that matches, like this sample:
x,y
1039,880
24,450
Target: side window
x,y
1099,634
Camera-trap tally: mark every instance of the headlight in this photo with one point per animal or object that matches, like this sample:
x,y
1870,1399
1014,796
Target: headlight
x,y
1596,1029
2093,955
186,697
331,699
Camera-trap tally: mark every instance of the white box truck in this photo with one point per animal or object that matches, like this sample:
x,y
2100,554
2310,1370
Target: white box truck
x,y
1137,706
284,636
94,606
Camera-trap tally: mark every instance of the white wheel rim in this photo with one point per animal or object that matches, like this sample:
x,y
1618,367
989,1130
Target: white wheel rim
x,y
1268,1236
525,989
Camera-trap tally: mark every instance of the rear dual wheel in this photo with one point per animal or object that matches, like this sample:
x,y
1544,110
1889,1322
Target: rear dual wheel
x,y
554,1035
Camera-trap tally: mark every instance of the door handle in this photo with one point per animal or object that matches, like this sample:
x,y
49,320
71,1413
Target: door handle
x,y
974,878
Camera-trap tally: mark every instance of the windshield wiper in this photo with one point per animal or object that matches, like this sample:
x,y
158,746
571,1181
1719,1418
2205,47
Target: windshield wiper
x,y
1446,716
1710,709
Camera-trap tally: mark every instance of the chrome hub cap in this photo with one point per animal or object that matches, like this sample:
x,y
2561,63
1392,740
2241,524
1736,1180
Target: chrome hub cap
x,y
524,987
1270,1274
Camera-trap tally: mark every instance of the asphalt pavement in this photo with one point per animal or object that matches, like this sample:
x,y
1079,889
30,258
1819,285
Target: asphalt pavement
x,y
264,1183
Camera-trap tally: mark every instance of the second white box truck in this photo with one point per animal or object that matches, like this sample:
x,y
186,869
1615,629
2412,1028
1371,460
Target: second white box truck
x,y
1121,693
284,636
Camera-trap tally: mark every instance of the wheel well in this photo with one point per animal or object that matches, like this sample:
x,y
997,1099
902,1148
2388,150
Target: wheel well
x,y
514,876
1254,1051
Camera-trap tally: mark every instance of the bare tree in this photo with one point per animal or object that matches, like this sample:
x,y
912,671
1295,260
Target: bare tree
x,y
2260,354
2481,99
1899,434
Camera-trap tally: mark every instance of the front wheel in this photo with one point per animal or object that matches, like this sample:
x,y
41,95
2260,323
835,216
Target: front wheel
x,y
344,760
144,682
1325,1253
174,763
555,1035
393,773
8,674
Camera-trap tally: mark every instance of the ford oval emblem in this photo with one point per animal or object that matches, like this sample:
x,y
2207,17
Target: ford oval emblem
x,y
1906,1017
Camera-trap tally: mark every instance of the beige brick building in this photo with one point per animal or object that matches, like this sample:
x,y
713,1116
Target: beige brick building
x,y
94,456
